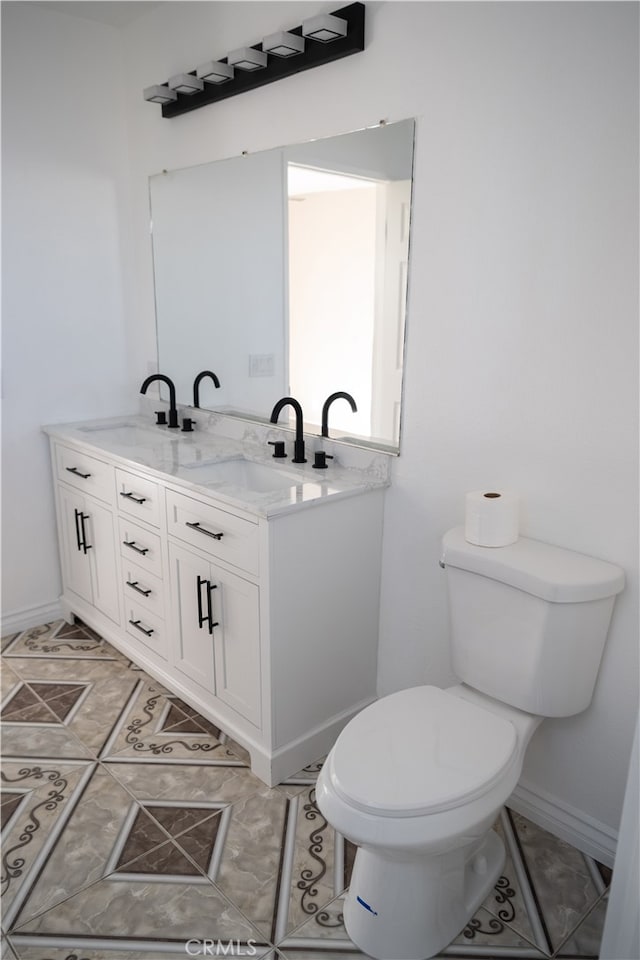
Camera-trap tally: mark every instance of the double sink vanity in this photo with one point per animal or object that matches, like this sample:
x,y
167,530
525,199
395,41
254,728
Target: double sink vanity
x,y
245,581
248,586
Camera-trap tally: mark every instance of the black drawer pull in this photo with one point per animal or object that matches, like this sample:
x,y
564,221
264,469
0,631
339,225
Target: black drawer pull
x,y
132,496
196,526
134,586
133,546
76,472
136,624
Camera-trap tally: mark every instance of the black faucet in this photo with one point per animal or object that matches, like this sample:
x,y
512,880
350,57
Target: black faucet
x,y
196,385
298,446
173,412
340,395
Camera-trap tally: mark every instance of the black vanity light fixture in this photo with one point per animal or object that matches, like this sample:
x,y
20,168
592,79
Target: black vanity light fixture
x,y
318,40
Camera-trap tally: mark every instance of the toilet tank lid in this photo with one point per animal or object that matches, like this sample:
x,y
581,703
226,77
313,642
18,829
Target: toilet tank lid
x,y
549,572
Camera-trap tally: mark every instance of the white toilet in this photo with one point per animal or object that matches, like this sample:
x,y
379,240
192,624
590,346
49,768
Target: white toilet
x,y
417,779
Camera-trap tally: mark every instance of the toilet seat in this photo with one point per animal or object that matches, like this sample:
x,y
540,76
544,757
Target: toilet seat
x,y
420,751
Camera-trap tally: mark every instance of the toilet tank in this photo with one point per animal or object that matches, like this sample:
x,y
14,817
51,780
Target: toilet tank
x,y
529,621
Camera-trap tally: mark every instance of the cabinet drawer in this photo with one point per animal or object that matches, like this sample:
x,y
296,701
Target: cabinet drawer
x,y
148,629
138,497
85,473
222,535
142,587
140,545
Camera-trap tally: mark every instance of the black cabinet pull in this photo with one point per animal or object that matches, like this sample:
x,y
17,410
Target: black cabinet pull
x,y
81,533
133,546
208,616
78,537
210,588
136,624
134,586
76,472
85,546
132,496
201,617
196,526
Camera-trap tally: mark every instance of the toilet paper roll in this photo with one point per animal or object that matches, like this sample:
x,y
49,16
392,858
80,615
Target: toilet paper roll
x,y
492,518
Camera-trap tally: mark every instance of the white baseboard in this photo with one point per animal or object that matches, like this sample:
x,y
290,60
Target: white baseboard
x,y
31,617
587,834
316,743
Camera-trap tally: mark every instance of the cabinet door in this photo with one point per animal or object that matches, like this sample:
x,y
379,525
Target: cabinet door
x,y
101,535
89,552
76,571
193,644
236,642
216,631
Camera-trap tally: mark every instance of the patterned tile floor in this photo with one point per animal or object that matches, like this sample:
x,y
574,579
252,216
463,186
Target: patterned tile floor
x,y
133,828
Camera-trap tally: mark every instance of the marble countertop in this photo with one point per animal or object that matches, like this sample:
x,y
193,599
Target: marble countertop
x,y
192,461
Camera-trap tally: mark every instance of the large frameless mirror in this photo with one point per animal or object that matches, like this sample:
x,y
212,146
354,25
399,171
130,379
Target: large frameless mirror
x,y
285,273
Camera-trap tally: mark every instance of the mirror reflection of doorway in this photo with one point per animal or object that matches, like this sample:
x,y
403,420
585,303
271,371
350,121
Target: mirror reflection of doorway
x,y
347,268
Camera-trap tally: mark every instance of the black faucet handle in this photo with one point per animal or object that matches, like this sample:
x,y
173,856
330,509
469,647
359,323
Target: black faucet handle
x,y
298,452
187,425
278,448
320,460
161,416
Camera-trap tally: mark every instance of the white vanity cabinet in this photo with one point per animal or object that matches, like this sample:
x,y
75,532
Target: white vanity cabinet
x,y
265,620
87,532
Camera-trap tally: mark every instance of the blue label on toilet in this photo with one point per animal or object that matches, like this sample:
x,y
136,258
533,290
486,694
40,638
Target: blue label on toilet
x,y
366,906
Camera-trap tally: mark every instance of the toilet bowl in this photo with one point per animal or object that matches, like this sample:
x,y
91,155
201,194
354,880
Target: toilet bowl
x,y
417,779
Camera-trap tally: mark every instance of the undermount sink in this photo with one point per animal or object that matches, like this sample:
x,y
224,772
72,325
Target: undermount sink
x,y
242,473
130,434
101,427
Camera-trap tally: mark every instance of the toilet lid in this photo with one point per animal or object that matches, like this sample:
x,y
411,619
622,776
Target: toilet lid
x,y
421,750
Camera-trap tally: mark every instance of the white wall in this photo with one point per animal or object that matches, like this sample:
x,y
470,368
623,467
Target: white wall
x,y
522,324
521,363
63,182
621,933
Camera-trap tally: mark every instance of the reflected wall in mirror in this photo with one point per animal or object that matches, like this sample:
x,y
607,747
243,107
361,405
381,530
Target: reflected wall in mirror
x,y
285,272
